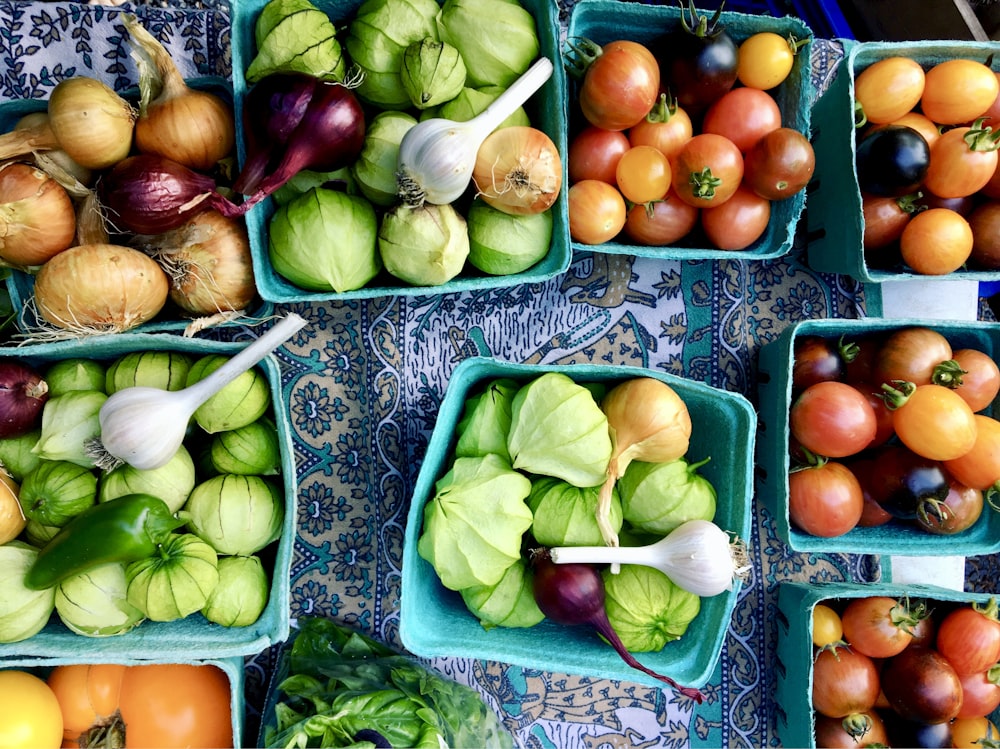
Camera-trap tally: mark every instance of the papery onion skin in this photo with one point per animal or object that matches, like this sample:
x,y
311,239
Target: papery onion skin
x,y
208,261
37,217
518,170
92,123
23,392
196,129
100,288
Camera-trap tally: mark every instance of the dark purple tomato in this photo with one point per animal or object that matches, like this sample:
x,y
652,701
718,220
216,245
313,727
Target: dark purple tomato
x,y
892,161
698,61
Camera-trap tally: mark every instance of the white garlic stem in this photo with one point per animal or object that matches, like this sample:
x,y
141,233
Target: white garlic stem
x,y
145,426
437,156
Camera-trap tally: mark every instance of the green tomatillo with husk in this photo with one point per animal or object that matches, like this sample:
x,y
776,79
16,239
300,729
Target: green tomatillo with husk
x,y
509,603
433,72
171,482
242,401
94,603
235,514
69,422
646,608
174,582
374,170
74,374
166,370
250,450
425,245
57,491
485,421
24,611
241,595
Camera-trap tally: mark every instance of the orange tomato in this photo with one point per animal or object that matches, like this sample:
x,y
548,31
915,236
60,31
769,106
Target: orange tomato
x,y
936,423
980,466
958,91
889,88
597,211
161,705
936,242
962,163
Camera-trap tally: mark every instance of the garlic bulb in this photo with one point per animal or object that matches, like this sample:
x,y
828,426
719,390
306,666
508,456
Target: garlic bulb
x,y
436,156
145,426
697,556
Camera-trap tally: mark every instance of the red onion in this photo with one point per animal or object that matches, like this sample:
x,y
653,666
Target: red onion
x,y
573,594
151,194
327,135
23,392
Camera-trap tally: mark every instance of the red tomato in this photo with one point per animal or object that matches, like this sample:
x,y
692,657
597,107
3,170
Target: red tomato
x,y
662,222
620,86
885,217
780,164
832,419
958,91
844,682
594,154
743,115
739,222
873,514
862,353
596,211
911,354
884,429
878,626
979,383
985,224
839,733
814,359
824,500
980,467
667,127
935,423
889,88
980,694
707,170
969,638
963,160
958,511
922,686
936,242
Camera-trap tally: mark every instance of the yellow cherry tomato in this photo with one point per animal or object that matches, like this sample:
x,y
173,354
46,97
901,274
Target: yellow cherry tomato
x,y
827,628
766,59
973,733
30,717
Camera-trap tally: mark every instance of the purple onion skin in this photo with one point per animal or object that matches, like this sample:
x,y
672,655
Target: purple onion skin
x,y
23,393
151,194
329,136
573,594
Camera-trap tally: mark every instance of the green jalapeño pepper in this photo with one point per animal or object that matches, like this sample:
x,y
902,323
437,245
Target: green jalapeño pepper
x,y
125,529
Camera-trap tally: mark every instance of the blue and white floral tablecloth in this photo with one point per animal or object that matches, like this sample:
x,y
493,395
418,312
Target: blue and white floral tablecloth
x,y
365,379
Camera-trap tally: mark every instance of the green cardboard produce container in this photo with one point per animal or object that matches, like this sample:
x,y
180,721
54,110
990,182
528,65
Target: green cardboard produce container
x,y
605,21
796,720
775,391
20,285
434,620
193,637
232,667
834,219
546,113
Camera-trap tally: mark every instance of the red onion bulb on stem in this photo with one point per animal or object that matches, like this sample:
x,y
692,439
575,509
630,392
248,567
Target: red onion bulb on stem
x,y
23,392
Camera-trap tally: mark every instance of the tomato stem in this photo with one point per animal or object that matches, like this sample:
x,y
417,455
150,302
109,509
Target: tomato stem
x,y
580,55
848,351
896,397
948,374
795,44
703,183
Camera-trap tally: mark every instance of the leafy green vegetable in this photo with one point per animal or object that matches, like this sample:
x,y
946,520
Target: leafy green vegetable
x,y
336,686
485,421
474,523
658,497
566,515
646,608
557,429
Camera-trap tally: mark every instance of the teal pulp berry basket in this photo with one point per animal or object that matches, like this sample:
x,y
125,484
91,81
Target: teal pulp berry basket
x,y
795,717
21,284
773,462
544,110
193,637
604,21
835,220
233,668
434,620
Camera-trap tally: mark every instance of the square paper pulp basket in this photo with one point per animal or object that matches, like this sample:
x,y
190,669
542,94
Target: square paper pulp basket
x,y
546,113
775,390
604,21
835,220
20,285
232,667
796,720
193,636
434,620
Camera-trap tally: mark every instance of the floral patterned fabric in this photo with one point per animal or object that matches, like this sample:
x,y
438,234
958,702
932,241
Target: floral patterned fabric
x,y
364,380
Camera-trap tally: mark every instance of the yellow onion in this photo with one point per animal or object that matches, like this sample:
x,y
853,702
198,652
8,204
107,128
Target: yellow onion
x,y
194,128
91,122
12,519
37,216
40,120
518,170
208,262
100,288
648,421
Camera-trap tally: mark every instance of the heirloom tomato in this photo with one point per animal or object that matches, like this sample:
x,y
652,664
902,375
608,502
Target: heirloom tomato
x,y
594,154
780,164
739,222
643,174
707,170
661,222
980,466
985,224
620,84
832,419
844,682
860,730
969,638
743,115
979,382
878,626
826,626
958,91
885,217
888,89
922,686
961,507
910,354
667,127
814,359
973,733
596,211
963,160
980,693
766,59
934,422
824,500
936,242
